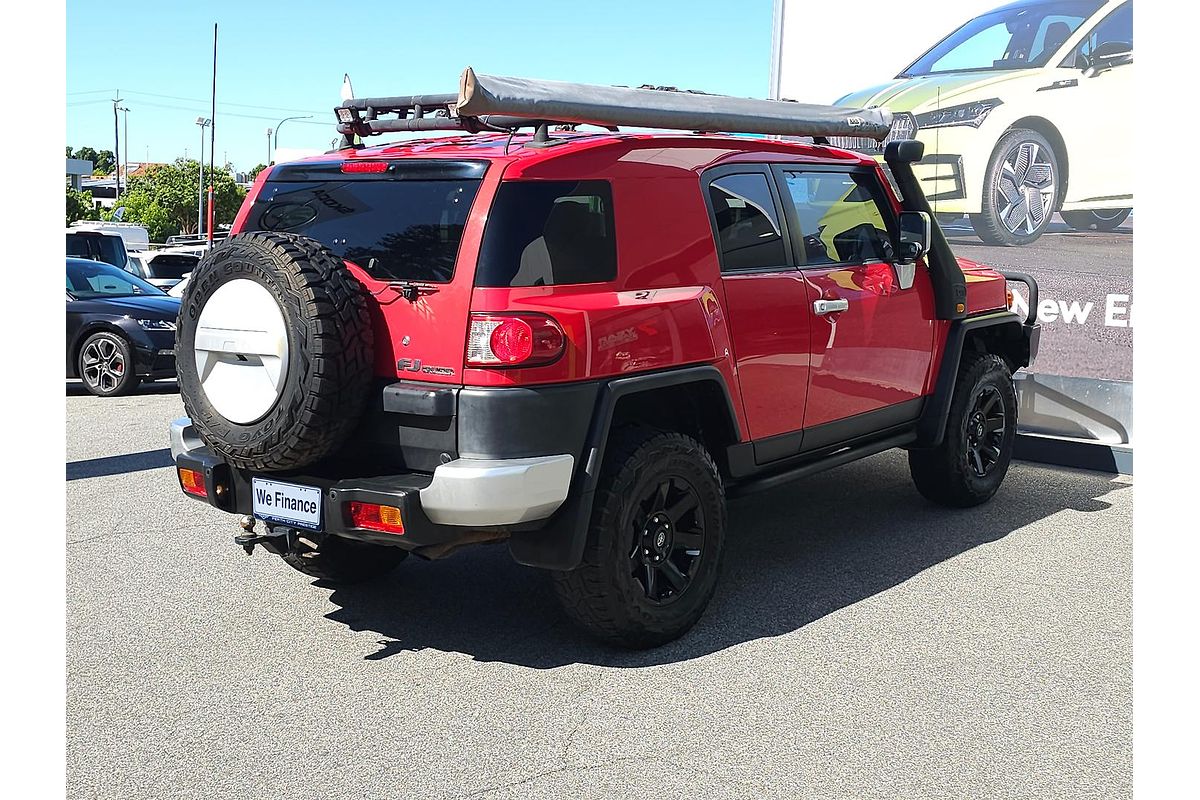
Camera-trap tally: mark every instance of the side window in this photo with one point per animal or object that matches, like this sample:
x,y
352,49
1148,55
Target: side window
x,y
549,233
1116,27
840,219
747,223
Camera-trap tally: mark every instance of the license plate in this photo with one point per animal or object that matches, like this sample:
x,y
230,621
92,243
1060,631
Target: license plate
x,y
287,503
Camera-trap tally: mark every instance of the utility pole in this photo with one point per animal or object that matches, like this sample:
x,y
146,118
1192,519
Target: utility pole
x,y
117,146
125,113
203,123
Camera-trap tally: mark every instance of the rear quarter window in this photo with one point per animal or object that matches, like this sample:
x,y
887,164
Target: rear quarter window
x,y
549,233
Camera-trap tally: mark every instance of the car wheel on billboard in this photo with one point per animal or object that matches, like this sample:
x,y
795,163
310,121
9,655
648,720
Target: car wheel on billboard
x,y
1020,190
1106,219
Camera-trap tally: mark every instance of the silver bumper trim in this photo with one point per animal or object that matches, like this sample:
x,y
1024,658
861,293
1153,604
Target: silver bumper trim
x,y
183,437
475,491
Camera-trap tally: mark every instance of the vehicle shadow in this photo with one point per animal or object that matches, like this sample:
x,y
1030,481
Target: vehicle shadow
x,y
792,556
76,389
118,465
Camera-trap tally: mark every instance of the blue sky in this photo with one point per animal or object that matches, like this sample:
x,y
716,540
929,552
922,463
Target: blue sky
x,y
280,59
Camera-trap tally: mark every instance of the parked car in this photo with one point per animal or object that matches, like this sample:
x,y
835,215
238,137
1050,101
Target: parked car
x,y
97,246
1024,111
163,268
135,237
578,343
120,329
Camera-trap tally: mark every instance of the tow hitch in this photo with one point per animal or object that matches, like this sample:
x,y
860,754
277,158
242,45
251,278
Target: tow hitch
x,y
248,539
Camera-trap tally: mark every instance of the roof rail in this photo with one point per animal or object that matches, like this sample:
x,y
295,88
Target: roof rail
x,y
489,102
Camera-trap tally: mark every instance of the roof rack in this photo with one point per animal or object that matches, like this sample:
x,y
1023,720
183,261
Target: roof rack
x,y
493,103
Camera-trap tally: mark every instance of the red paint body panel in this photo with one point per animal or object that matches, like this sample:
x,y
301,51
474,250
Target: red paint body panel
x,y
669,306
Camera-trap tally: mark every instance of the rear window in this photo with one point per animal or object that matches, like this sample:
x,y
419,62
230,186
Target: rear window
x,y
397,226
548,233
172,266
97,247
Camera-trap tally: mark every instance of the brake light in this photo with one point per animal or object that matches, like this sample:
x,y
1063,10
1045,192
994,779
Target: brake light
x,y
192,482
364,166
504,340
375,517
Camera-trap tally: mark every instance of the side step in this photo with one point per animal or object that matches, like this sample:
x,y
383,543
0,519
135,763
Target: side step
x,y
836,459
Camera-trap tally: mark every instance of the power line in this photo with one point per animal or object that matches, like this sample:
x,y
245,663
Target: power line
x,y
92,91
223,103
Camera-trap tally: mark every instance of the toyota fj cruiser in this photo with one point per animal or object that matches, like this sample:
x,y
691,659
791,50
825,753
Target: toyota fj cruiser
x,y
579,343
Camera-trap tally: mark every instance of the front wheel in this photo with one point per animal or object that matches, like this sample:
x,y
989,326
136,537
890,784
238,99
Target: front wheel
x,y
106,365
1108,219
654,544
969,465
1020,190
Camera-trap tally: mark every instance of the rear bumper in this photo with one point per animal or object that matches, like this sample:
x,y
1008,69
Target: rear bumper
x,y
437,509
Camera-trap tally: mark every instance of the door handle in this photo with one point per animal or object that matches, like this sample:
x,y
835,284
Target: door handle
x,y
821,307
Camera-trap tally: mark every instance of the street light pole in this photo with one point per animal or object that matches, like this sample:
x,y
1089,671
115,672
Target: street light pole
x,y
125,113
307,116
117,148
203,123
269,132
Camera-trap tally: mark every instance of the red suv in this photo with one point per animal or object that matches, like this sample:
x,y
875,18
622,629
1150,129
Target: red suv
x,y
580,343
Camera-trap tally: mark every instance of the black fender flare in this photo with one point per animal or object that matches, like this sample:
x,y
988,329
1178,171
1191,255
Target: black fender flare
x,y
931,426
559,544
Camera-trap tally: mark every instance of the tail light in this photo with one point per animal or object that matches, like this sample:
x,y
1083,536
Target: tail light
x,y
192,482
375,517
1008,295
504,340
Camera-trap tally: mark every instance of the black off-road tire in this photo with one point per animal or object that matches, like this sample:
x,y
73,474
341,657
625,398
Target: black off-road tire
x,y
602,595
1108,219
338,560
328,324
102,379
947,474
988,225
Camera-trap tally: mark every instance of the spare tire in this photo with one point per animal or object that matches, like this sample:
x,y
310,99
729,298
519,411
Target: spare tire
x,y
273,351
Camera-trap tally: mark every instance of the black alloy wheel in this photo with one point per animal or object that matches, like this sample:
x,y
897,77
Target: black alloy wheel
x,y
669,540
985,431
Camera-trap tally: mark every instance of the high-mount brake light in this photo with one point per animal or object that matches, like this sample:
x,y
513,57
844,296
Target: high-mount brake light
x,y
375,517
364,166
513,340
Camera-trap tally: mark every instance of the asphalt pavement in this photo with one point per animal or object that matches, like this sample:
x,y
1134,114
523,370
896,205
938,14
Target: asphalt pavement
x,y
862,644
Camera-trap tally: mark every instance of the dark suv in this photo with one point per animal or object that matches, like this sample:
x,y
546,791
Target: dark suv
x,y
579,343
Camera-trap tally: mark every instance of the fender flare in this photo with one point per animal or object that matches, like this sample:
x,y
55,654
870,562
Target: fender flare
x,y
559,544
931,427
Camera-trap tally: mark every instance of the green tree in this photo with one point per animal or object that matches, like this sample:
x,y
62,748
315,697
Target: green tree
x,y
254,172
79,205
102,160
164,198
69,152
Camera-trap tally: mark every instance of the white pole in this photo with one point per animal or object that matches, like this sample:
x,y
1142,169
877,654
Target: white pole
x,y
200,205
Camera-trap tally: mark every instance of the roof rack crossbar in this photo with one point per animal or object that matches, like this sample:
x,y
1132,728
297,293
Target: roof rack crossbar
x,y
489,102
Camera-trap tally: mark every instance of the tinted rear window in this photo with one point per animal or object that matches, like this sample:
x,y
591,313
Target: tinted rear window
x,y
97,247
172,266
544,233
410,228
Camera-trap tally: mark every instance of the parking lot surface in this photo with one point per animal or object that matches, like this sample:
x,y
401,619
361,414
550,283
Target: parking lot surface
x,y
862,644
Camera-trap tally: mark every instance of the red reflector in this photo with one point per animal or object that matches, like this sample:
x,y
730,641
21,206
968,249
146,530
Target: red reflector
x,y
376,517
525,340
364,166
192,482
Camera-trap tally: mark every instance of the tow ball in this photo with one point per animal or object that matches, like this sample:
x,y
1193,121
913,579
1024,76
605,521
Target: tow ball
x,y
248,539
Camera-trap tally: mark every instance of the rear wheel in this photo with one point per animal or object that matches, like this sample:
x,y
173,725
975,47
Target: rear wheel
x,y
1108,219
106,365
335,559
969,465
654,545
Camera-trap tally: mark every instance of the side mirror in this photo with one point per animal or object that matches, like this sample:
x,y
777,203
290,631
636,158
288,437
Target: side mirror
x,y
1109,55
916,233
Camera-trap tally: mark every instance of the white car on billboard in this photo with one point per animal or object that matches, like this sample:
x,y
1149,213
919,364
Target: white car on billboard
x,y
1024,111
